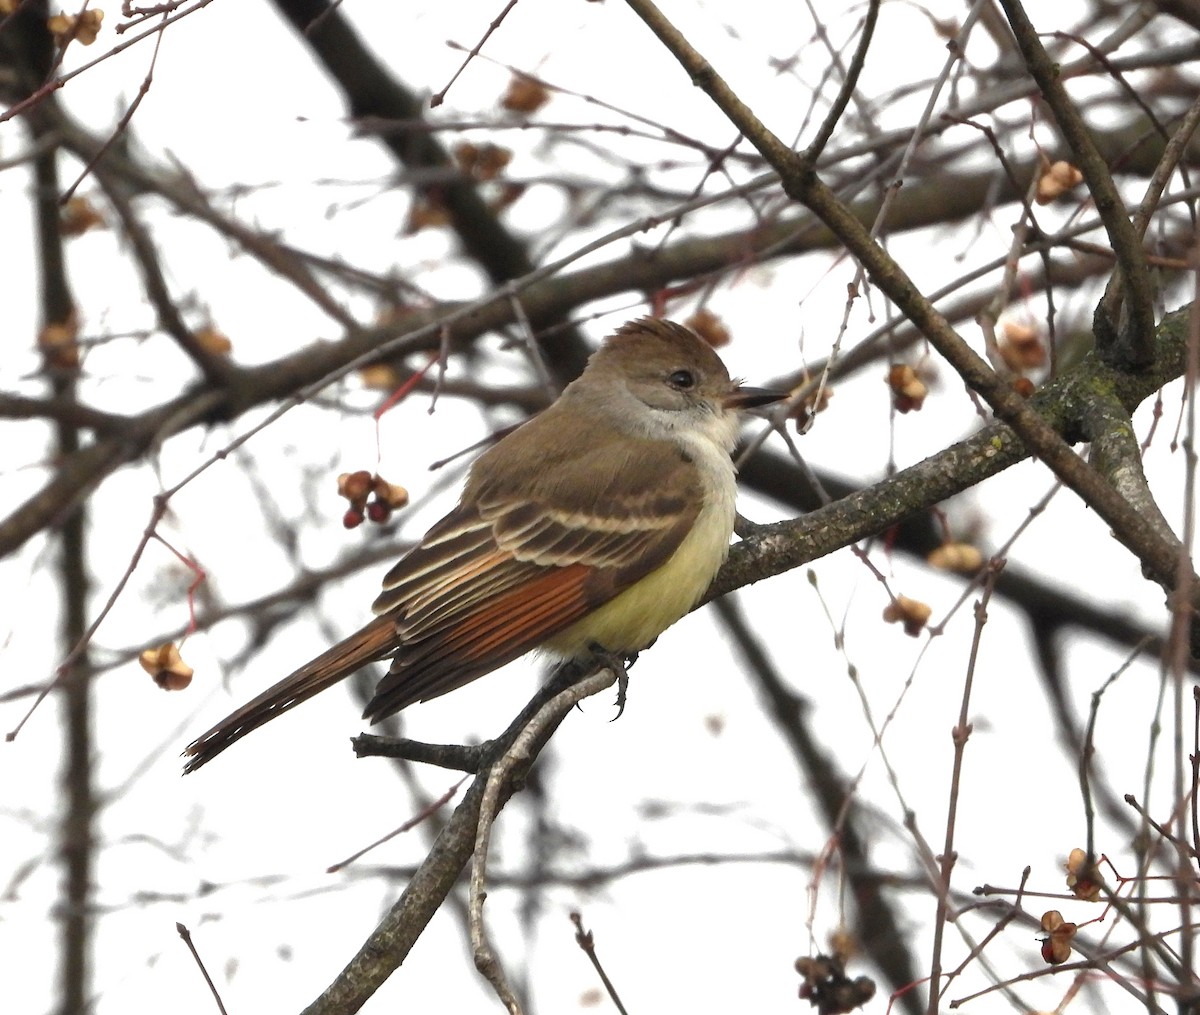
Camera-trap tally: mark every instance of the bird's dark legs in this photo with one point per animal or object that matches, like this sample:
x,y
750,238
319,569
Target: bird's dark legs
x,y
619,663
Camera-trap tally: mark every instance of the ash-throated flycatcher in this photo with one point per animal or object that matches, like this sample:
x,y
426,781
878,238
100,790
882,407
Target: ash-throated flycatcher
x,y
599,523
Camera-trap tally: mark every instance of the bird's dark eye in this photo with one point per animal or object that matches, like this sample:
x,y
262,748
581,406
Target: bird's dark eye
x,y
682,379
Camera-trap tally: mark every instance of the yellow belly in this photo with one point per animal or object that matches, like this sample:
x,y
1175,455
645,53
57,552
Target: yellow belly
x,y
633,619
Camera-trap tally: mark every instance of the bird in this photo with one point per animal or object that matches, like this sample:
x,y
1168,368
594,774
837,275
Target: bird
x,y
592,527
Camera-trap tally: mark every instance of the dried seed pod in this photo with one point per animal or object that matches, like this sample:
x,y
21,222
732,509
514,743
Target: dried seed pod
x,y
1055,180
1056,945
524,95
77,216
1022,347
912,613
167,667
59,345
83,28
1083,878
961,558
391,494
709,327
213,341
908,390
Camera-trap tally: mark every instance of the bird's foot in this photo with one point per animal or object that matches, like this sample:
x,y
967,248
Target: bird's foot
x,y
619,663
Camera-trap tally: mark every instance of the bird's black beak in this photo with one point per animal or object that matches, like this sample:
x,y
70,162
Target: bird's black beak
x,y
743,397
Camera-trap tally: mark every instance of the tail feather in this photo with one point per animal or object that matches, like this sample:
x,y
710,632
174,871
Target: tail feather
x,y
375,641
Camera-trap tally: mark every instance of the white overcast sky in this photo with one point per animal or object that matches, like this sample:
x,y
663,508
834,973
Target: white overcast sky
x,y
236,99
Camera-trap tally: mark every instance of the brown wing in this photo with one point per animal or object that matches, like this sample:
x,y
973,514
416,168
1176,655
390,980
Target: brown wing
x,y
530,550
499,576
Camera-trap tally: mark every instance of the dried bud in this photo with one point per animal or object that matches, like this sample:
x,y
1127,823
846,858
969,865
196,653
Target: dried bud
x,y
1083,878
912,613
67,27
1056,945
465,154
167,667
908,390
356,487
947,29
484,162
709,327
524,95
827,987
391,494
1022,347
859,992
380,377
493,160
59,345
1023,386
426,211
843,944
213,342
1056,180
815,968
78,216
961,558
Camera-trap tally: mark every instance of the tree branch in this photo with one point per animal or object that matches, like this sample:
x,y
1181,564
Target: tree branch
x,y
1124,320
800,182
387,947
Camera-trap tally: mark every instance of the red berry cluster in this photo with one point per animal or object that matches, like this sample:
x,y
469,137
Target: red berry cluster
x,y
370,496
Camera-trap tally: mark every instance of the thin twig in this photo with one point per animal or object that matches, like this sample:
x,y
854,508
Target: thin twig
x,y
587,945
187,940
1089,747
849,84
961,734
439,97
430,809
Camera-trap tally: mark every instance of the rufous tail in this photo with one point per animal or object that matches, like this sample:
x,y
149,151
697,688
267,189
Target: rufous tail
x,y
375,641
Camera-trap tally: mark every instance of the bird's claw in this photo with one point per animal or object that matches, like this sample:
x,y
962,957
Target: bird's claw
x,y
619,663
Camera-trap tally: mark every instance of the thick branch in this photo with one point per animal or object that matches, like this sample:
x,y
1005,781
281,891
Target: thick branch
x,y
389,944
61,410
1124,326
1159,558
782,546
375,95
